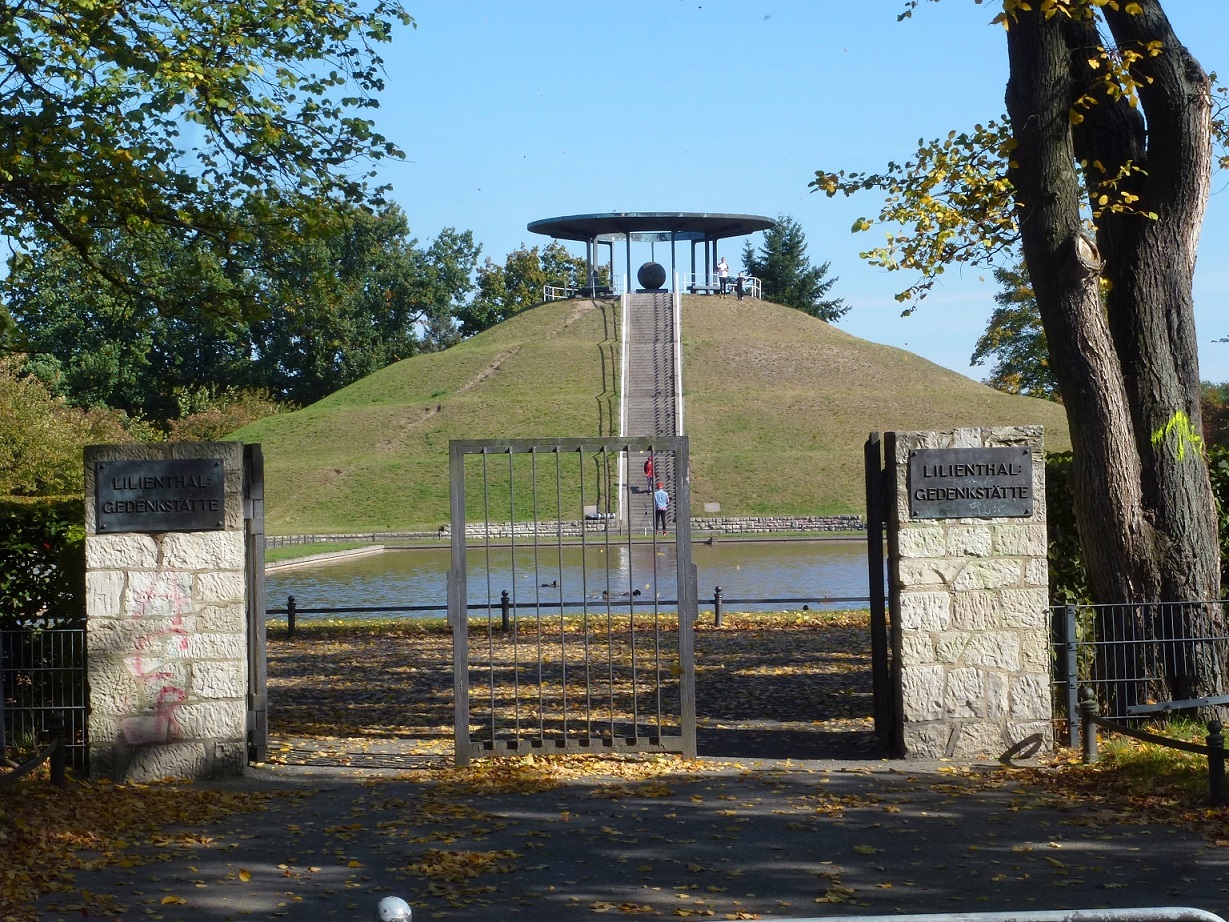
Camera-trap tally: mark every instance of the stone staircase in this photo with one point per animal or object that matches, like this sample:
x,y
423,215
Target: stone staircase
x,y
650,394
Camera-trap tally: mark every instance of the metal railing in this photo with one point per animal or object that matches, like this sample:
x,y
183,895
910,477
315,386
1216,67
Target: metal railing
x,y
506,606
564,292
42,682
699,283
1135,657
1214,750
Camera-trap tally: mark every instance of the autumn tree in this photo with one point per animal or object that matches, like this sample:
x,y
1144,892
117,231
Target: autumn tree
x,y
1101,172
1014,339
786,274
157,117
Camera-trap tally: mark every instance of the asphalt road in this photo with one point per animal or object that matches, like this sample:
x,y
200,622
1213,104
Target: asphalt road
x,y
766,839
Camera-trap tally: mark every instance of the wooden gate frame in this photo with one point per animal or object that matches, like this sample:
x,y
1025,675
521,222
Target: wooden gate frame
x,y
465,748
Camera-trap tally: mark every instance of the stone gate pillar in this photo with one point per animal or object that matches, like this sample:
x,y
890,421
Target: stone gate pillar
x,y
166,629
969,591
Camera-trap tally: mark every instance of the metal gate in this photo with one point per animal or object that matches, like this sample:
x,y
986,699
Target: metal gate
x,y
572,616
882,663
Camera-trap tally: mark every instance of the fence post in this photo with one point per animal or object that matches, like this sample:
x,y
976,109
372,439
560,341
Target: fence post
x,y
1073,679
59,755
290,616
1088,730
1216,762
504,606
717,607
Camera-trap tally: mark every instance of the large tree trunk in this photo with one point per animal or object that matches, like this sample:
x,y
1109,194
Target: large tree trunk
x,y
1126,361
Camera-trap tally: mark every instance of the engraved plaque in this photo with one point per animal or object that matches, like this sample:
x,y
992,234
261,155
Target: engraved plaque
x,y
179,494
970,483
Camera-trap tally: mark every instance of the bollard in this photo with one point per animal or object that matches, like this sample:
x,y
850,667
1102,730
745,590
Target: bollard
x,y
504,606
1216,762
59,755
1088,730
289,616
717,607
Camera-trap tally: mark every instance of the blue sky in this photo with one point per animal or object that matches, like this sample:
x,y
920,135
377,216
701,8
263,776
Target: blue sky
x,y
514,111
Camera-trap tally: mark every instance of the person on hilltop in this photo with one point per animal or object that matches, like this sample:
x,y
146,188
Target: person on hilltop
x,y
723,275
661,503
740,284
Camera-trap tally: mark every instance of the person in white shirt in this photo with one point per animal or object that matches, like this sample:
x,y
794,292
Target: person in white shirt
x,y
661,502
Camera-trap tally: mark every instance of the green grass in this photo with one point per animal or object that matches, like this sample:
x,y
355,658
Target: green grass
x,y
777,407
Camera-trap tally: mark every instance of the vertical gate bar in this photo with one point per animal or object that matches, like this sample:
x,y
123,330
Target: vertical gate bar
x,y
657,456
516,649
458,609
631,633
490,610
1073,680
686,579
584,596
254,559
608,596
537,592
563,634
873,464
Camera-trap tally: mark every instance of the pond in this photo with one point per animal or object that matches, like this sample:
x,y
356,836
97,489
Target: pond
x,y
809,572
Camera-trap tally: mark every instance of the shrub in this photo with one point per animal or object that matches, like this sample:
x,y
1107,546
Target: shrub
x,y
209,417
1068,580
42,562
41,437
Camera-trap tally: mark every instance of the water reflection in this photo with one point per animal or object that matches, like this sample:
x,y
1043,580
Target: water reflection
x,y
804,570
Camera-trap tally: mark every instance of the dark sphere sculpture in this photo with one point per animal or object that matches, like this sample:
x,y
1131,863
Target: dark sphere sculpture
x,y
651,276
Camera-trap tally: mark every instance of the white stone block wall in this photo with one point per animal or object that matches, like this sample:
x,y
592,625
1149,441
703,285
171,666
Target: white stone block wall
x,y
166,636
970,639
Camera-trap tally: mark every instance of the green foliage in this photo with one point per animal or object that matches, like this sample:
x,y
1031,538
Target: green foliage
x,y
100,95
1218,470
1068,579
787,276
517,284
41,437
1214,411
349,299
345,295
1015,339
209,416
98,345
42,562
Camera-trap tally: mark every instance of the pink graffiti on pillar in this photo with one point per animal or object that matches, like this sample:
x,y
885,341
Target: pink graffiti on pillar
x,y
158,665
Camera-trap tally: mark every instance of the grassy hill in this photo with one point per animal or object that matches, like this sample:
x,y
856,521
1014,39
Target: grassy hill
x,y
777,405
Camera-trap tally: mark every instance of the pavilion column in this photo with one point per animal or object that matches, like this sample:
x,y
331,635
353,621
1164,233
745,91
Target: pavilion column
x,y
627,279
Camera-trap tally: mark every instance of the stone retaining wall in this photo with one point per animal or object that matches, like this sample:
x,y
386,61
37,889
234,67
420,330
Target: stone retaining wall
x,y
732,525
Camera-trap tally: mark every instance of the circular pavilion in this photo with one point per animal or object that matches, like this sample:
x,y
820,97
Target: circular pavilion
x,y
653,227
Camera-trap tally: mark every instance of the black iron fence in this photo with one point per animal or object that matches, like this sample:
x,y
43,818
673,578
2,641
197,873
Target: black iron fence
x,y
42,682
1139,660
506,606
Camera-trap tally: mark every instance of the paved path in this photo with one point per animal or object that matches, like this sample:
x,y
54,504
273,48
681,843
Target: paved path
x,y
766,839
